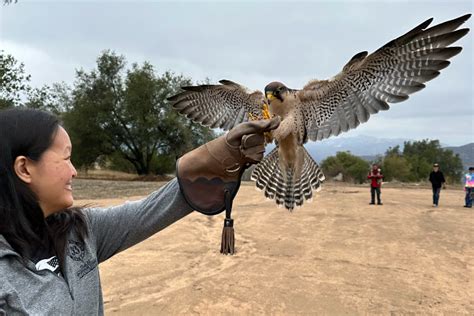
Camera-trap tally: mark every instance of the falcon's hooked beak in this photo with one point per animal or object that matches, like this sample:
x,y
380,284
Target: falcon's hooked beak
x,y
270,96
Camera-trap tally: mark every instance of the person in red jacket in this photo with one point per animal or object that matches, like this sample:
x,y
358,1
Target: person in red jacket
x,y
375,176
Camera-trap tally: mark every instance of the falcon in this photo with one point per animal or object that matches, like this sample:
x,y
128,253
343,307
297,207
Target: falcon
x,y
323,108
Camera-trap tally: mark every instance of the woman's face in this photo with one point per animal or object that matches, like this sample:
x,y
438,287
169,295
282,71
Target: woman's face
x,y
51,176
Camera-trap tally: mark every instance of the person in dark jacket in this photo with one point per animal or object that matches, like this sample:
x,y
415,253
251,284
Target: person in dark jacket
x,y
437,181
375,176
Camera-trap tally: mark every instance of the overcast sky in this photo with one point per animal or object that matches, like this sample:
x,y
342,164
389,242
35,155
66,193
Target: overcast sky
x,y
250,42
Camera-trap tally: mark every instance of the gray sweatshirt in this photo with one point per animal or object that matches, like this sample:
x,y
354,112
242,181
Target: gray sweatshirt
x,y
24,290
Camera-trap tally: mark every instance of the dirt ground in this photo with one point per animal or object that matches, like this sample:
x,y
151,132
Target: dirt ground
x,y
335,256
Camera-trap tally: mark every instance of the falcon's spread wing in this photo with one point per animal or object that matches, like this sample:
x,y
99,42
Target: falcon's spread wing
x,y
389,75
224,105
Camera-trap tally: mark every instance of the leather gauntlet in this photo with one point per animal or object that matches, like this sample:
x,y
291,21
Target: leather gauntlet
x,y
206,173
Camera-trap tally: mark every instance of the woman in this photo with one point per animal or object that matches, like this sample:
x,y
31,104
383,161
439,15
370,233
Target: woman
x,y
49,252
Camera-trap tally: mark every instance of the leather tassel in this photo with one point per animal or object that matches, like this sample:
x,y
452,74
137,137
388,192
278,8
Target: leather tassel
x,y
228,237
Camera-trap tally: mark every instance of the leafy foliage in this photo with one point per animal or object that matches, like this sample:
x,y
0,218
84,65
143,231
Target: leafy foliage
x,y
412,164
396,167
14,82
351,167
416,161
55,99
422,155
115,110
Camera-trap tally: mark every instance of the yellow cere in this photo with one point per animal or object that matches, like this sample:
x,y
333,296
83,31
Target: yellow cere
x,y
270,96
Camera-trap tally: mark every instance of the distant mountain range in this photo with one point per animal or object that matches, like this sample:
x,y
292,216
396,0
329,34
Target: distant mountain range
x,y
466,153
368,147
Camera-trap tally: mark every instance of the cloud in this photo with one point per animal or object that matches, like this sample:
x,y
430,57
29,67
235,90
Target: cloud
x,y
454,130
43,67
252,43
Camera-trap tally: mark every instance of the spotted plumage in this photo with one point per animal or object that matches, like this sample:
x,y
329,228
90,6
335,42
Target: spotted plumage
x,y
324,108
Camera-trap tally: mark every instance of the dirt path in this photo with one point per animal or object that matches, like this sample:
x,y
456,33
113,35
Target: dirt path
x,y
336,256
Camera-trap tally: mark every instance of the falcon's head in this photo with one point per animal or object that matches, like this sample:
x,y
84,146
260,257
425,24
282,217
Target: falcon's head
x,y
276,90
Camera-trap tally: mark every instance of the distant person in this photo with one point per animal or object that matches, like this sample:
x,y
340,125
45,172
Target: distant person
x,y
376,177
437,181
469,186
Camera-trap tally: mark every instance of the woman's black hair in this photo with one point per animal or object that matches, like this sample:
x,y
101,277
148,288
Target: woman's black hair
x,y
29,133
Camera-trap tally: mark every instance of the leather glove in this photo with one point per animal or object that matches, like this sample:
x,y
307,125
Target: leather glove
x,y
206,173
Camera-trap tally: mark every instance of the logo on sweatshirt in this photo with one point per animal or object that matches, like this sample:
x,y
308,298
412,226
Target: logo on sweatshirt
x,y
51,264
76,251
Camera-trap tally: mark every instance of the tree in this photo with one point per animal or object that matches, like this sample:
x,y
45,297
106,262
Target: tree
x,y
422,154
332,166
396,167
16,91
351,167
14,82
393,151
55,99
125,112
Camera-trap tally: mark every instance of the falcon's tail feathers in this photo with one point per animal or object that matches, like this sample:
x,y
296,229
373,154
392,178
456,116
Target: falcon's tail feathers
x,y
285,187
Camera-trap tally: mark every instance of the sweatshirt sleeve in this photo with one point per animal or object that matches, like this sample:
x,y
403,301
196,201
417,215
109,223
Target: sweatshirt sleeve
x,y
117,228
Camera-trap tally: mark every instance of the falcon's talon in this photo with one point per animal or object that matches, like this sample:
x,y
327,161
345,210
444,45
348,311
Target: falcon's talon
x,y
252,117
266,112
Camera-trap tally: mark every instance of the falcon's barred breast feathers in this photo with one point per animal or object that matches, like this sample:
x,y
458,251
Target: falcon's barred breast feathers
x,y
324,108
